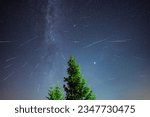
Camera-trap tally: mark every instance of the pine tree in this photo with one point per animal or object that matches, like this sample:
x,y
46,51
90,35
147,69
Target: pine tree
x,y
76,87
55,93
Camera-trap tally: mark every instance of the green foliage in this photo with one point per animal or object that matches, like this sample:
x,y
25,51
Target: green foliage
x,y
76,87
55,93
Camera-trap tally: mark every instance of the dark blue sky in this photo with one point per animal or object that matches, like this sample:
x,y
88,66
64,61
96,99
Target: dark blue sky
x,y
109,38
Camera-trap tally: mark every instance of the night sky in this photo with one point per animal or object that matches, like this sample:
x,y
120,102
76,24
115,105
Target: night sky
x,y
110,39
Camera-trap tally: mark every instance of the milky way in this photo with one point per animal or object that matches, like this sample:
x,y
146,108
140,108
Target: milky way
x,y
110,40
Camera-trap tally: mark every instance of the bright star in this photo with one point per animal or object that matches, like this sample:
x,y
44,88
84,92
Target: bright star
x,y
94,62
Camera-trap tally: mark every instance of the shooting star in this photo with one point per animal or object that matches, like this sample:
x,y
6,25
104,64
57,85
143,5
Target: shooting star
x,y
5,41
38,88
119,41
8,76
139,58
7,66
10,59
63,56
75,41
26,42
110,79
94,43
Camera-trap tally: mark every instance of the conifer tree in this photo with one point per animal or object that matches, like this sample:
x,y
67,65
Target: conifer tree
x,y
55,93
76,87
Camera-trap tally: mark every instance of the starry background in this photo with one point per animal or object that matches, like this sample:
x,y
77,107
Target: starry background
x,y
109,38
